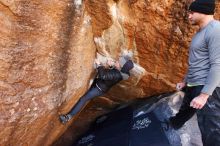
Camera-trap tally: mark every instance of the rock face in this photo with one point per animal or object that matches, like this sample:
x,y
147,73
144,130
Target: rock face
x,y
47,49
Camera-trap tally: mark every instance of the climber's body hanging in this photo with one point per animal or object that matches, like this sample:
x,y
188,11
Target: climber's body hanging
x,y
105,79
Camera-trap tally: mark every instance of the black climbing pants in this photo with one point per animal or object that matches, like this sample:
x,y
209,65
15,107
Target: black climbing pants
x,y
208,116
90,94
185,111
209,120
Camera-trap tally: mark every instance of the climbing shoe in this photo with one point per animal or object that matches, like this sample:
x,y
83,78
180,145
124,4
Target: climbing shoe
x,y
64,118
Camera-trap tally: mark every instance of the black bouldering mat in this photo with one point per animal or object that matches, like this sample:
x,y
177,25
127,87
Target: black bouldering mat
x,y
147,131
120,128
110,129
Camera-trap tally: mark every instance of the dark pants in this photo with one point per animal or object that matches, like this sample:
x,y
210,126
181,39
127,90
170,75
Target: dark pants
x,y
208,116
90,94
209,120
185,111
210,129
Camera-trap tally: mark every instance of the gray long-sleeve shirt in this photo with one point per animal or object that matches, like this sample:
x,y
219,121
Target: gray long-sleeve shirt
x,y
204,58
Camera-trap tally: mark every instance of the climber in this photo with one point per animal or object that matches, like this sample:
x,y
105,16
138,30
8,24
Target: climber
x,y
107,76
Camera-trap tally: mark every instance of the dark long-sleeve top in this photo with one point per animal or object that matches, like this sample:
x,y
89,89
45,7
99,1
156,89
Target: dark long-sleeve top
x,y
106,78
